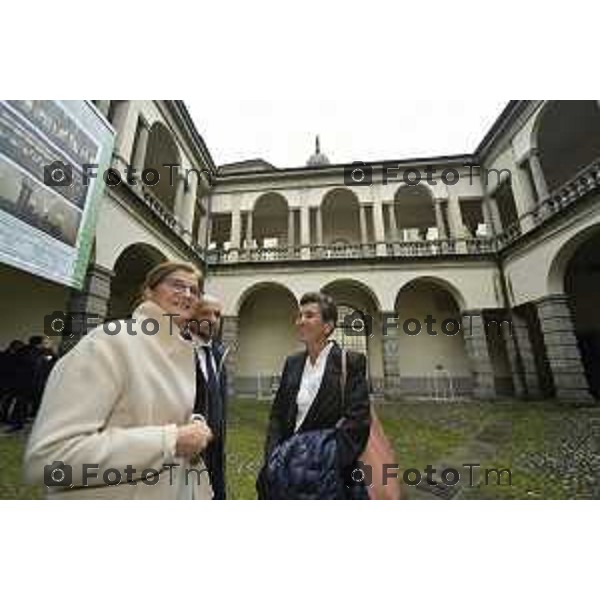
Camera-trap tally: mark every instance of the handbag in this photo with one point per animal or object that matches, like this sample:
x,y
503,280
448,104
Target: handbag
x,y
377,453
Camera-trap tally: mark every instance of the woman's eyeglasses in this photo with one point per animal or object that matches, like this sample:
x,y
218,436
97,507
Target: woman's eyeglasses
x,y
181,287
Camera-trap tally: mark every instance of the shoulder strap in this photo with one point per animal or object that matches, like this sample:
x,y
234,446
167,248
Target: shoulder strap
x,y
343,377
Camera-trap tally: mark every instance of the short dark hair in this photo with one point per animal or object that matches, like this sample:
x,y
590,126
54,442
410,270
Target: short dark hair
x,y
36,340
327,306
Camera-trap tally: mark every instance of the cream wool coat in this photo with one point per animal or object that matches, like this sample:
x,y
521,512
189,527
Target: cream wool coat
x,y
114,401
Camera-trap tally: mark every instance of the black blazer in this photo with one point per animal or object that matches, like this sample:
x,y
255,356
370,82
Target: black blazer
x,y
326,409
214,455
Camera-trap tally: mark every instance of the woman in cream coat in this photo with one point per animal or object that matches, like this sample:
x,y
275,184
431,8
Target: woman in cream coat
x,y
118,406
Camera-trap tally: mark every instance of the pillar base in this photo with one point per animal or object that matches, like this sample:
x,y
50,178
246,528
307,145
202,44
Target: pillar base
x,y
564,357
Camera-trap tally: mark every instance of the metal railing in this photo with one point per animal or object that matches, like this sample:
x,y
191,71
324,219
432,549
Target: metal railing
x,y
581,185
584,182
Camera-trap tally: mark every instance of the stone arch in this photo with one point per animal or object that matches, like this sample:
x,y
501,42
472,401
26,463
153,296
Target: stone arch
x,y
432,357
566,134
355,283
414,211
442,283
340,217
555,280
162,149
269,220
358,303
266,330
256,286
130,270
577,267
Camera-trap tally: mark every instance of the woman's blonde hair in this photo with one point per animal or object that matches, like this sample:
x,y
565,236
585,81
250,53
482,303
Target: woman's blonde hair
x,y
160,272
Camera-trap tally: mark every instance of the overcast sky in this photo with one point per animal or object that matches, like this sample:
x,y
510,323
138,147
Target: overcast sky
x,y
364,126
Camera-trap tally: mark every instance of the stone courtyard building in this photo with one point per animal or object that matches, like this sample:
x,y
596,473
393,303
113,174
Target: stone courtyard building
x,y
497,251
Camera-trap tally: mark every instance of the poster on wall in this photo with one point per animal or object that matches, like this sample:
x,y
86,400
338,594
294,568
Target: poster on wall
x,y
48,204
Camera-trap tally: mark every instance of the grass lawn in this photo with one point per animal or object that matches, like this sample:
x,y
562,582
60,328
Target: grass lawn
x,y
552,450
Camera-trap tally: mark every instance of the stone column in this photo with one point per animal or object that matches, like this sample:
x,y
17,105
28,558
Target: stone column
x,y
391,365
539,180
248,228
230,339
139,156
520,331
363,223
524,196
89,306
457,228
305,231
564,358
236,227
493,214
189,204
319,225
291,241
439,218
179,195
202,229
378,227
393,222
120,118
210,225
474,332
512,351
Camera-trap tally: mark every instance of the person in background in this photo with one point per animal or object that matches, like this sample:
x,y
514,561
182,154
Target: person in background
x,y
41,358
10,366
211,385
32,368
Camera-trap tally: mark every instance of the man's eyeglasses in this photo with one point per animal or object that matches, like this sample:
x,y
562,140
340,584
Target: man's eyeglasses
x,y
181,287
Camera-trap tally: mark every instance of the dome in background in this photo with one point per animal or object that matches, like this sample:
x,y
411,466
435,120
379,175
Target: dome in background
x,y
317,159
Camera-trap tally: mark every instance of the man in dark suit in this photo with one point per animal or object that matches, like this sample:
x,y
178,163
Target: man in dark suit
x,y
310,395
211,387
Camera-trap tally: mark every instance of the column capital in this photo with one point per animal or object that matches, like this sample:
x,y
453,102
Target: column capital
x,y
144,123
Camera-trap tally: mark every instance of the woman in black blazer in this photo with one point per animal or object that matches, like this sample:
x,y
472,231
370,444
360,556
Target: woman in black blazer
x,y
309,395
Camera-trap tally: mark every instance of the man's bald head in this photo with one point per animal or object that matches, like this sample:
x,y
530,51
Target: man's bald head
x,y
208,316
210,299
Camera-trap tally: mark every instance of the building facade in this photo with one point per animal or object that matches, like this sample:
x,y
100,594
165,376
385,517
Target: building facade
x,y
459,276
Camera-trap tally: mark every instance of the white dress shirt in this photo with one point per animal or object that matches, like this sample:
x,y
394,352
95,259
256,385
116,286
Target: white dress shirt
x,y
311,382
201,356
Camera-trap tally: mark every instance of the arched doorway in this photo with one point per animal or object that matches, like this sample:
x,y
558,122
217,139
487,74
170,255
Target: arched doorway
x,y
359,324
130,272
267,334
270,221
415,214
432,356
340,218
582,286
